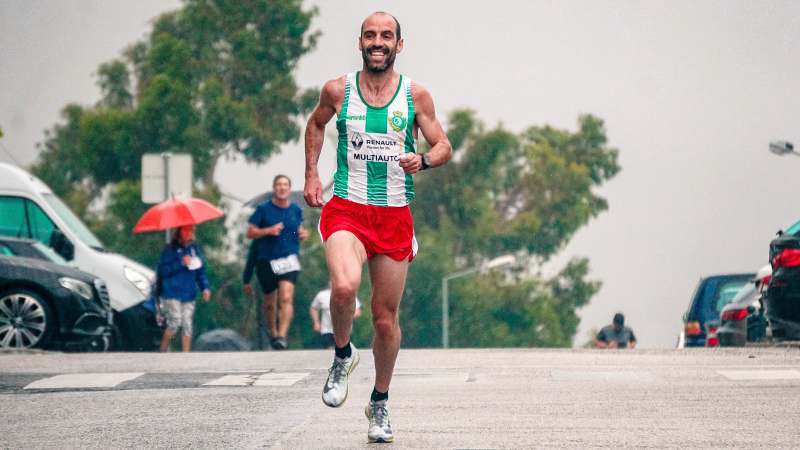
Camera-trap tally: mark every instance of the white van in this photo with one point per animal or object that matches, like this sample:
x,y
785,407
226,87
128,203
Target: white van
x,y
29,209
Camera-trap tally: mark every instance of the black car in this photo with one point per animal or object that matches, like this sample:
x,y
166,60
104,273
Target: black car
x,y
702,317
47,305
782,299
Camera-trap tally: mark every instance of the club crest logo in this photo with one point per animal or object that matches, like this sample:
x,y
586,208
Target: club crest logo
x,y
357,141
397,121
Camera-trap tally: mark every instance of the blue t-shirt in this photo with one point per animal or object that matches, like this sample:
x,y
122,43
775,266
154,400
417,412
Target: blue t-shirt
x,y
287,243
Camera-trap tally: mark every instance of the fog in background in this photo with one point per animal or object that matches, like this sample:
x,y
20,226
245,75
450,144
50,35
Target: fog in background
x,y
691,93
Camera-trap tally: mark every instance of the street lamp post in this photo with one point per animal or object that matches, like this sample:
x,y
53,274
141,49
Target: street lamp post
x,y
492,264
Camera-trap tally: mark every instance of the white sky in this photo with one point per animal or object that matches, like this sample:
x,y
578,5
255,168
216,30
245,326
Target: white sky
x,y
691,93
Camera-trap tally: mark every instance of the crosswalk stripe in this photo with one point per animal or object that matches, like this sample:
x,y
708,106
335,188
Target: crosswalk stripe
x,y
280,379
232,380
83,380
764,374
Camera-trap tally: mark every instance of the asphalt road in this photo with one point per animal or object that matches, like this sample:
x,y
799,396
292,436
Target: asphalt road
x,y
745,398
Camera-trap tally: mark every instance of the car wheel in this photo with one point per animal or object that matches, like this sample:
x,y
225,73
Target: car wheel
x,y
26,320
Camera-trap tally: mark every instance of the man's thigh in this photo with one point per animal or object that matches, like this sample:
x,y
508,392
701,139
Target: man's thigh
x,y
388,278
346,256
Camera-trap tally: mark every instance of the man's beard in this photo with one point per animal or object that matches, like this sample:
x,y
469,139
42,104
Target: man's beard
x,y
378,68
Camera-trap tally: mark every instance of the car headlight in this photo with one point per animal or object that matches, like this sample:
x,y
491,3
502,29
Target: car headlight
x,y
77,286
138,279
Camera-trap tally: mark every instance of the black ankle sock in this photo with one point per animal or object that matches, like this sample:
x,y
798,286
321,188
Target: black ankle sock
x,y
344,352
378,396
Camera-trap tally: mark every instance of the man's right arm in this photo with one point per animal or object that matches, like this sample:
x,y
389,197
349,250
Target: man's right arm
x,y
329,100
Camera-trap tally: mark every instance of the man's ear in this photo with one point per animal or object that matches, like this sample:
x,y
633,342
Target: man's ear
x,y
400,44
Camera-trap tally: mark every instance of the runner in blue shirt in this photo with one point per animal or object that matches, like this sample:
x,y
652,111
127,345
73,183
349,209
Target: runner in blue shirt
x,y
277,229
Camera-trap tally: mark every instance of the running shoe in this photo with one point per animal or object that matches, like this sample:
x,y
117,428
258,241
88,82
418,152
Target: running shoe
x,y
334,393
380,429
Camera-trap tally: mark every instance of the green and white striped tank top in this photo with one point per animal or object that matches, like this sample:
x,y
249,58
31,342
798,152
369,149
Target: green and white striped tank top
x,y
371,141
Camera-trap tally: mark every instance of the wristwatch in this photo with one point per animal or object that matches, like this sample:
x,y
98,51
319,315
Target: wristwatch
x,y
426,163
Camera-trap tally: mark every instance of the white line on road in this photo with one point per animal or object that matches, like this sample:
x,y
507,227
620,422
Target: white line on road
x,y
233,380
83,380
602,375
748,375
280,379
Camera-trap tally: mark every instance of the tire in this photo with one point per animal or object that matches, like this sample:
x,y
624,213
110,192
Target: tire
x,y
26,320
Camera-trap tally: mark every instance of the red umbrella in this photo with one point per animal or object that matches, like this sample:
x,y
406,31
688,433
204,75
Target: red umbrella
x,y
177,212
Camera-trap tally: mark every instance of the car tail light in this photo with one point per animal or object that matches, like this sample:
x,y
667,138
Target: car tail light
x,y
789,257
734,315
693,328
711,338
765,281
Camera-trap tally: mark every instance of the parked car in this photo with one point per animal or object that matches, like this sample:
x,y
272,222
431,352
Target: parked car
x,y
710,296
31,210
743,320
782,299
48,305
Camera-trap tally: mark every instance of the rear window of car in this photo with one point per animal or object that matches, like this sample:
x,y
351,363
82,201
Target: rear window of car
x,y
715,293
793,230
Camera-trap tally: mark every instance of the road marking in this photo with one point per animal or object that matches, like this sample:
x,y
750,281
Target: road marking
x,y
267,379
601,375
83,380
755,375
280,379
233,380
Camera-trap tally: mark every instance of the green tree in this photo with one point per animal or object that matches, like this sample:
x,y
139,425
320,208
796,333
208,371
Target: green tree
x,y
526,193
212,79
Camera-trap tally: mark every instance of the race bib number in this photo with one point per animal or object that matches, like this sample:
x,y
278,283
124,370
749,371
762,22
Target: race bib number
x,y
281,266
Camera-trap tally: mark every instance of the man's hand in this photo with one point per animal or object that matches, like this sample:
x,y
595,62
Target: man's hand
x,y
316,327
302,233
186,260
613,344
276,229
313,191
206,295
411,162
248,290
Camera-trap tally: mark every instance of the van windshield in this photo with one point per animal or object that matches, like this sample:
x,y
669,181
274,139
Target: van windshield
x,y
72,221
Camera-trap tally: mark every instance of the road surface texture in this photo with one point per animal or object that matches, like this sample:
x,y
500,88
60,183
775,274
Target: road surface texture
x,y
521,398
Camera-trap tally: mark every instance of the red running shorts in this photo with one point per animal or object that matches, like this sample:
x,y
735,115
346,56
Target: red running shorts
x,y
383,230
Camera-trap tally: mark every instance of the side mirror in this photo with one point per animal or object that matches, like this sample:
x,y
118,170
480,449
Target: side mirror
x,y
751,309
62,245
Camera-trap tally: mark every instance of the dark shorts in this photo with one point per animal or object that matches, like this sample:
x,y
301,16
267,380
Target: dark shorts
x,y
268,279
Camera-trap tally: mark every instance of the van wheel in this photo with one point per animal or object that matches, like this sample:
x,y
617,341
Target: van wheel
x,y
26,320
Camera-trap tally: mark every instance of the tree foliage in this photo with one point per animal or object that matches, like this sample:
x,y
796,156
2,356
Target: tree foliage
x,y
214,78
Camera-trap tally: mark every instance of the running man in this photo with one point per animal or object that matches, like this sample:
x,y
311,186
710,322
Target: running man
x,y
379,114
276,227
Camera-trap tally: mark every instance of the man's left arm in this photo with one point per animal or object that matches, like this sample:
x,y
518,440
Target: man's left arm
x,y
425,117
632,341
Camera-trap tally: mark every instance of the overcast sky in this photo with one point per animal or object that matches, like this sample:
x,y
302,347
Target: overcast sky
x,y
691,93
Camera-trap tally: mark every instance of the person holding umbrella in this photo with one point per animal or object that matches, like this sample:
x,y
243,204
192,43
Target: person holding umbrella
x,y
181,270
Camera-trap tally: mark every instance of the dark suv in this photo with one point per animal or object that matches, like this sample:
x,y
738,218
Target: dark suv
x,y
711,295
782,299
48,305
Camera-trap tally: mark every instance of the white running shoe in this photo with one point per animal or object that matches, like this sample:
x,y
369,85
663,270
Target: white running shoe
x,y
334,393
380,429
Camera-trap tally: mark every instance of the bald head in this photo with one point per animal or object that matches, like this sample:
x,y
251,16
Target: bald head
x,y
382,14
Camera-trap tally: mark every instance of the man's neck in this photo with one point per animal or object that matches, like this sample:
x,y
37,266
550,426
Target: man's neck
x,y
377,82
282,203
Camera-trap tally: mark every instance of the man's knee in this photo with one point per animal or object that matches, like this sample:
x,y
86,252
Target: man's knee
x,y
343,292
385,325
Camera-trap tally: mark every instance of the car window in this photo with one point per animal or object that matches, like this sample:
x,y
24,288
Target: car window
x,y
5,250
72,221
12,217
794,229
727,292
41,225
50,254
